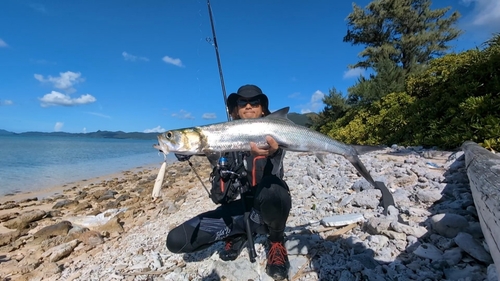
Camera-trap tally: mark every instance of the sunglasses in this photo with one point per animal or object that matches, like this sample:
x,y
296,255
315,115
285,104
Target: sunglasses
x,y
252,102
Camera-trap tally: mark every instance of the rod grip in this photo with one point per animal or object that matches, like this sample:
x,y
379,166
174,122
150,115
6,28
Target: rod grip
x,y
251,246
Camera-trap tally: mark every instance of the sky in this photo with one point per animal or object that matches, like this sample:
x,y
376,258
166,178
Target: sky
x,y
150,66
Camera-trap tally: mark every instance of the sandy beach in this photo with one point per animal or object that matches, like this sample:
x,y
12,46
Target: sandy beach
x,y
30,221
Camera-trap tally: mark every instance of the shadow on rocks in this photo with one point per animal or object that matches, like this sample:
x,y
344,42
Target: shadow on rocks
x,y
453,247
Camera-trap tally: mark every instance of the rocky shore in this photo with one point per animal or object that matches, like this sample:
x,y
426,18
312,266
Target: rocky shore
x,y
111,229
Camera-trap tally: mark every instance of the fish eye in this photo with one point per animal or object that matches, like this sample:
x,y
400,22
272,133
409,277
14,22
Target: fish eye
x,y
169,134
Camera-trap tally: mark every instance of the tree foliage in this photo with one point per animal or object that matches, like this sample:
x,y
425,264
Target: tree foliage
x,y
408,32
455,99
389,78
335,107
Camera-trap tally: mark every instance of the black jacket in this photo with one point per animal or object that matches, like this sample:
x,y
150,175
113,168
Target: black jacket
x,y
246,171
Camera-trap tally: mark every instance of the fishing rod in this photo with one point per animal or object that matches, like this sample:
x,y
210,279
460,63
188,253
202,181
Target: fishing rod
x,y
216,47
251,246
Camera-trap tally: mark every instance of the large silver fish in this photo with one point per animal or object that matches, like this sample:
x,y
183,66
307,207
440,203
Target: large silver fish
x,y
216,139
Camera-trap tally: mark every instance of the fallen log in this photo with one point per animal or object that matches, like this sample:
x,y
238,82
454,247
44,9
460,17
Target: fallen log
x,y
483,170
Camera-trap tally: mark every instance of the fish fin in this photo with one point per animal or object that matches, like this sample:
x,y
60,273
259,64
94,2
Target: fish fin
x,y
213,158
280,114
362,149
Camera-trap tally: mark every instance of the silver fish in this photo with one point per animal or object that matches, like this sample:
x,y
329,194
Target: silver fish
x,y
216,139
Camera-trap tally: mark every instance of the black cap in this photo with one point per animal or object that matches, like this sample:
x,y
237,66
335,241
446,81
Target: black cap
x,y
248,91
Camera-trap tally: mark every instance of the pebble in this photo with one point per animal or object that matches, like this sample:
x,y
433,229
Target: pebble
x,y
431,234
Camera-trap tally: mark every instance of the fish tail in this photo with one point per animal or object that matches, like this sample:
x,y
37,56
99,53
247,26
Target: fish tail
x,y
356,162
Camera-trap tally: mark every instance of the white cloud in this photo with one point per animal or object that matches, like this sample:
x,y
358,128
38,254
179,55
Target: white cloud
x,y
6,102
183,115
130,57
3,44
99,114
294,95
176,62
55,98
58,126
353,73
158,129
65,81
315,104
84,130
486,13
209,116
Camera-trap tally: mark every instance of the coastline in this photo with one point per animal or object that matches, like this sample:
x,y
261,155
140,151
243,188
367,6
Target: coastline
x,y
130,243
45,192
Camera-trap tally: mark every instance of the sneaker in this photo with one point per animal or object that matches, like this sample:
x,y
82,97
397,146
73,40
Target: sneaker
x,y
233,248
277,261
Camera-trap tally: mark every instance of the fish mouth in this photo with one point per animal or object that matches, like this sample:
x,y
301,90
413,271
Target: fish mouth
x,y
161,146
158,146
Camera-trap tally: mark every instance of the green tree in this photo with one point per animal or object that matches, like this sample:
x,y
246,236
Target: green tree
x,y
389,78
408,32
335,107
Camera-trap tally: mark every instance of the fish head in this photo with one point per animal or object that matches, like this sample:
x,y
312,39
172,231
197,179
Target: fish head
x,y
183,141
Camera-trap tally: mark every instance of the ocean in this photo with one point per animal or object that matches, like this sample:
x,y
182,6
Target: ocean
x,y
30,163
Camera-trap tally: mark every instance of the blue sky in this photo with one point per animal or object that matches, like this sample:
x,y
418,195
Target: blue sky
x,y
145,66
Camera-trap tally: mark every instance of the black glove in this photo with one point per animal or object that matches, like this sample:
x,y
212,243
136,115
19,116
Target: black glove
x,y
182,158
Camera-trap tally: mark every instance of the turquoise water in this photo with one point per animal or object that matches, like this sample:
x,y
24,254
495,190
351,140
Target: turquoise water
x,y
29,163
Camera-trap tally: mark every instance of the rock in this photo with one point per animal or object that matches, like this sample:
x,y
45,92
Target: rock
x,y
377,225
61,251
60,228
492,273
429,196
449,225
82,206
428,251
367,198
112,226
9,237
8,216
91,238
469,245
467,273
417,231
341,220
297,245
25,219
65,203
394,235
453,256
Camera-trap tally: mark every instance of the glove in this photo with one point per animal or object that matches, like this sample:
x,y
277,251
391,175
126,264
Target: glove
x,y
182,158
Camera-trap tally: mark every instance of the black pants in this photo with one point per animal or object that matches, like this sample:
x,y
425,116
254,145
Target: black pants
x,y
270,204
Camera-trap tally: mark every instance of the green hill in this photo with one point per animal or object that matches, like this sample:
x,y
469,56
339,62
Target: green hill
x,y
301,119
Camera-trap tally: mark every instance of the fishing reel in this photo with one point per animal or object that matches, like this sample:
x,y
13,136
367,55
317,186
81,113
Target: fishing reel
x,y
225,171
228,174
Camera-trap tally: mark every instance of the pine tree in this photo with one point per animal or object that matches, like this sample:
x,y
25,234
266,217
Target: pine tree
x,y
408,32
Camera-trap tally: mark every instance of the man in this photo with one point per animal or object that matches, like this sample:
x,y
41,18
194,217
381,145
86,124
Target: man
x,y
250,179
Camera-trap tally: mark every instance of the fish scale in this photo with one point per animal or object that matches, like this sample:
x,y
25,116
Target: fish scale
x,y
237,135
216,139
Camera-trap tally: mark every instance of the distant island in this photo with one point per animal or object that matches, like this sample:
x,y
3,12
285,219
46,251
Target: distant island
x,y
300,119
98,134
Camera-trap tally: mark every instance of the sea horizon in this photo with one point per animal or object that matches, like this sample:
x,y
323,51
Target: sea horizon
x,y
33,163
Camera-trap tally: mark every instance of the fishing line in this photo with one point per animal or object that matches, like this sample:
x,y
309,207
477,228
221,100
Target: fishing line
x,y
219,65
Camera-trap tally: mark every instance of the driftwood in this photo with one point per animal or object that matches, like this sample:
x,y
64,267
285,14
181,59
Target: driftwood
x,y
483,170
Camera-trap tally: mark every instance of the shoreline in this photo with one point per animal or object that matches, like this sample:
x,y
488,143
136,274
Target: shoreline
x,y
45,192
